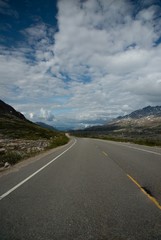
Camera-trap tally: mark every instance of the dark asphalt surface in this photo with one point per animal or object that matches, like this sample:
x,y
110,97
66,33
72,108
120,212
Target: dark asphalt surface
x,y
85,195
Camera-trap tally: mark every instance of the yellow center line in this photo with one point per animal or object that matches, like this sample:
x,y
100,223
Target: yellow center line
x,y
105,153
147,194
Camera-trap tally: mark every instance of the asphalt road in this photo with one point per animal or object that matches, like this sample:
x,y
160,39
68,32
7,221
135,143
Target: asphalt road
x,y
87,190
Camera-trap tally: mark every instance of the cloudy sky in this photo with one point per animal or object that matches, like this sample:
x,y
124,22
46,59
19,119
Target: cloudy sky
x,y
75,63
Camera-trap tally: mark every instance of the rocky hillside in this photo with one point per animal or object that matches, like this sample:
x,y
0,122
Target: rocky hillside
x,y
144,112
141,126
21,138
148,117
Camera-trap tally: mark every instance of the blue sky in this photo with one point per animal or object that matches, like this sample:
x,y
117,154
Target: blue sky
x,y
75,63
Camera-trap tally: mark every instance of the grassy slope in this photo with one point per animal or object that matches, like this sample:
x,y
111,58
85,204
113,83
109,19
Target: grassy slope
x,y
146,135
14,128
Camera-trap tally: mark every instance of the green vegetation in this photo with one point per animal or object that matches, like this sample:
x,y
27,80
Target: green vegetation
x,y
15,156
141,141
58,141
26,139
138,140
149,137
13,127
10,157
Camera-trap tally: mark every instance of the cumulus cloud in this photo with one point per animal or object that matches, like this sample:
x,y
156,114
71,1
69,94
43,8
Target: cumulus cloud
x,y
46,115
115,44
103,61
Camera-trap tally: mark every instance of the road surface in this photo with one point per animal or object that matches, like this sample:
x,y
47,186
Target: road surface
x,y
87,190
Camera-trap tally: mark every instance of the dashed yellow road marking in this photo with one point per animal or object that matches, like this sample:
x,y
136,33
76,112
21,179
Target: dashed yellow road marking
x,y
147,194
105,153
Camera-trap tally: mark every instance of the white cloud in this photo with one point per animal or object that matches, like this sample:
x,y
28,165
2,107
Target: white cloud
x,y
31,115
113,44
104,61
46,115
6,9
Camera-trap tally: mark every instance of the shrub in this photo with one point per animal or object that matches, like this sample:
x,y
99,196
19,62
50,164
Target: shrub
x,y
12,157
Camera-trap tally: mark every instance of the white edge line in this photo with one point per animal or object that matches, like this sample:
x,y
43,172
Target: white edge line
x,y
143,150
32,175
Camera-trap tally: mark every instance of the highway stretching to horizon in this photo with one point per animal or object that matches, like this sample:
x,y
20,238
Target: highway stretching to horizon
x,y
89,189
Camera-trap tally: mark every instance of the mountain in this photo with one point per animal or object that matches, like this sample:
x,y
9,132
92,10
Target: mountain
x,y
44,125
6,109
14,125
148,117
21,138
144,112
141,126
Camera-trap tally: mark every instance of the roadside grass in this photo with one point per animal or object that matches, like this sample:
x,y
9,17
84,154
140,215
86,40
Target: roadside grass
x,y
10,157
133,138
13,128
58,141
146,134
140,141
15,156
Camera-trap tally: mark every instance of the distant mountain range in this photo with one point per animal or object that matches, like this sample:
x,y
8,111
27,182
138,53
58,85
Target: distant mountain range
x,y
141,126
143,117
44,125
147,118
144,112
